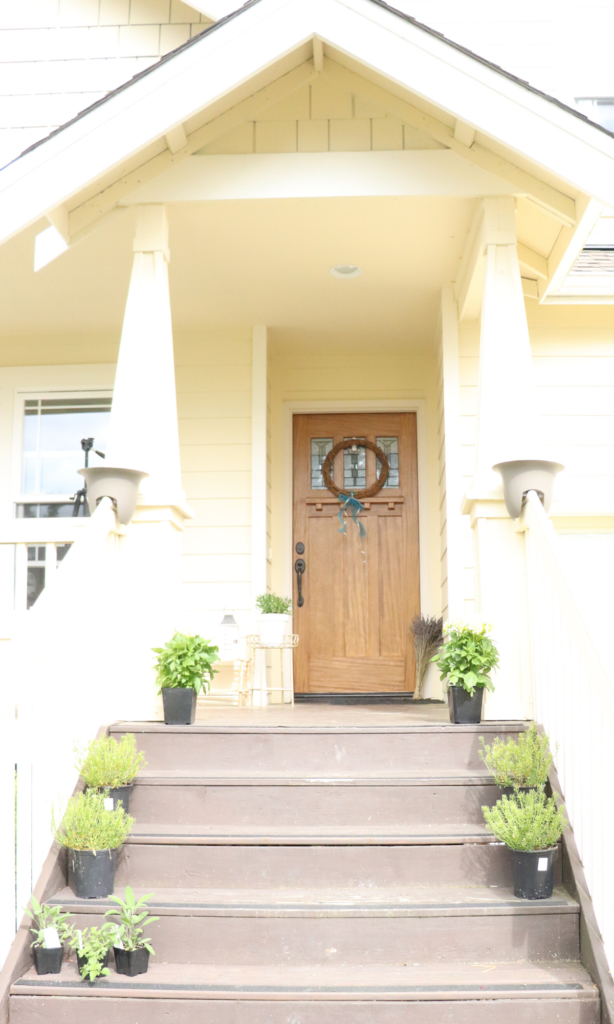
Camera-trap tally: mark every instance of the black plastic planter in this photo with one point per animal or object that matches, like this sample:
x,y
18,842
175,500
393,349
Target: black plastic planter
x,y
120,793
48,961
131,961
82,960
509,790
533,873
93,873
179,705
465,709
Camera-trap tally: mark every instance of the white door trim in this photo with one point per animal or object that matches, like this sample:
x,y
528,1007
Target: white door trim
x,y
293,408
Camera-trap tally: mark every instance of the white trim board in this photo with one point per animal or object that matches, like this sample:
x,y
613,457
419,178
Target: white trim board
x,y
313,175
294,408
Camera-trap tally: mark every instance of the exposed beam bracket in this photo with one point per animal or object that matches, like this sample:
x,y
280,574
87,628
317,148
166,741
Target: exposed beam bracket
x,y
464,134
529,260
176,139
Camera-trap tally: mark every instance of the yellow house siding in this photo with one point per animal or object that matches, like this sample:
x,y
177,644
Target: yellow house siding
x,y
213,373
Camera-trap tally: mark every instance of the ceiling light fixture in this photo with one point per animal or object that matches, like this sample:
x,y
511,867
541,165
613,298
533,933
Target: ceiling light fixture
x,y
346,270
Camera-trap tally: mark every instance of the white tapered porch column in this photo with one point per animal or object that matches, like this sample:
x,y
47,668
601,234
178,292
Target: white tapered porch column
x,y
507,428
144,435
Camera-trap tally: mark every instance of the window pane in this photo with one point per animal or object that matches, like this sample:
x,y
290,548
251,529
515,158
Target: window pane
x,y
390,447
320,447
36,583
354,466
53,430
51,510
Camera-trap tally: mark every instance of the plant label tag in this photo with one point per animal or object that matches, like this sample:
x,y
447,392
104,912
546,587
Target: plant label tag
x,y
51,939
80,939
542,864
108,803
118,942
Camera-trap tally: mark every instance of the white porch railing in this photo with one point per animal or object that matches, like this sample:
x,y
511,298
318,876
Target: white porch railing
x,y
56,691
574,700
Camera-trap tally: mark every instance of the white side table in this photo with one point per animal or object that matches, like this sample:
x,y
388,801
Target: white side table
x,y
256,644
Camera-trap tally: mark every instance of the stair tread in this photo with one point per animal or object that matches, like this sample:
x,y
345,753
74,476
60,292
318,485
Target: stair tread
x,y
565,980
453,777
419,901
353,835
253,723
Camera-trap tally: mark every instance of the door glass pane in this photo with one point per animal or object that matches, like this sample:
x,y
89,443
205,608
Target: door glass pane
x,y
320,447
354,466
390,447
52,433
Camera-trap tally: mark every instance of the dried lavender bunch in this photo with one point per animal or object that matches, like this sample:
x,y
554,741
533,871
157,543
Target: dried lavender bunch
x,y
427,634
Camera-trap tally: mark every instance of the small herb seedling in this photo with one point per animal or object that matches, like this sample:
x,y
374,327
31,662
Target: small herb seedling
x,y
43,917
93,946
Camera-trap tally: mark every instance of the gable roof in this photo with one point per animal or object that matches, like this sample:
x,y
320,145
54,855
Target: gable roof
x,y
269,40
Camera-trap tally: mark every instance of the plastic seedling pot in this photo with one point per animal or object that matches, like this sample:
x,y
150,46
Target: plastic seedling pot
x,y
131,961
509,790
179,705
119,793
48,961
465,708
533,873
93,873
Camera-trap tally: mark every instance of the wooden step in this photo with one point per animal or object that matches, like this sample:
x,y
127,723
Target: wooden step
x,y
176,797
311,750
350,926
406,993
249,858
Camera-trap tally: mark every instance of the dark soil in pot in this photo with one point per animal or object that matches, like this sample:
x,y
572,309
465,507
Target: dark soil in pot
x,y
131,961
465,708
93,873
179,705
48,961
533,873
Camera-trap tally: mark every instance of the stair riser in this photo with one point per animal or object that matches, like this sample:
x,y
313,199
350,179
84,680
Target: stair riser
x,y
62,1010
253,867
259,941
308,806
314,753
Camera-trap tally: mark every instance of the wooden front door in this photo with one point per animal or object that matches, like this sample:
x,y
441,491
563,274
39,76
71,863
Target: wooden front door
x,y
359,595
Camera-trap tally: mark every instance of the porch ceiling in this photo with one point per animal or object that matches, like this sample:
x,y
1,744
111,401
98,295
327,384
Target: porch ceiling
x,y
239,263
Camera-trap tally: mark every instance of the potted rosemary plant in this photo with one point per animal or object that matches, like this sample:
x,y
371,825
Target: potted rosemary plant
x,y
519,765
274,618
109,766
184,667
92,836
530,825
131,948
51,929
92,946
465,662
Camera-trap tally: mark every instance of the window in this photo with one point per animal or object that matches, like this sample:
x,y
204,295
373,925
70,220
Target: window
x,y
37,568
599,109
320,447
354,466
52,453
390,448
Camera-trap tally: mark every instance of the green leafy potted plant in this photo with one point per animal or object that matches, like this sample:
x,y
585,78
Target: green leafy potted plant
x,y
518,765
530,825
131,948
466,661
109,766
51,929
274,618
184,667
92,946
92,834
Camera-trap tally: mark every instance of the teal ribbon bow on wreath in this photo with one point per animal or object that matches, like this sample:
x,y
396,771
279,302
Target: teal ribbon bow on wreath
x,y
352,505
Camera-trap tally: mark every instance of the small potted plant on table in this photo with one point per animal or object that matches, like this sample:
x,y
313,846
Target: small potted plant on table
x,y
521,765
184,669
92,946
466,661
109,766
92,834
274,618
131,948
51,929
530,825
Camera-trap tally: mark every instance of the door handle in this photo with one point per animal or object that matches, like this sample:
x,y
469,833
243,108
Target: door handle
x,y
299,568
